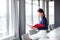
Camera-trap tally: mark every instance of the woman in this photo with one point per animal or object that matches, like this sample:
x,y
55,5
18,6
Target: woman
x,y
42,31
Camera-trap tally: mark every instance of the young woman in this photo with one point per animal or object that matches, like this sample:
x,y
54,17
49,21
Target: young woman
x,y
42,31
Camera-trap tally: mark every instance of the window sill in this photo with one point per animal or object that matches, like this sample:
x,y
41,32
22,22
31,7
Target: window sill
x,y
8,37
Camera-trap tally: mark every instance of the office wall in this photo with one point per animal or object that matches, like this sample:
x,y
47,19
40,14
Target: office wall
x,y
57,13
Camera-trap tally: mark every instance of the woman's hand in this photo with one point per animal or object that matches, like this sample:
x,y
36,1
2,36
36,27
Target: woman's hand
x,y
29,25
34,28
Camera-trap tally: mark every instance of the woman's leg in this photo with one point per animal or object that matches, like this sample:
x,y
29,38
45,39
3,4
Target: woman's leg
x,y
41,33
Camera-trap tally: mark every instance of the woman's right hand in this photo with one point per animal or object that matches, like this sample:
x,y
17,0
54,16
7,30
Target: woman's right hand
x,y
31,26
34,28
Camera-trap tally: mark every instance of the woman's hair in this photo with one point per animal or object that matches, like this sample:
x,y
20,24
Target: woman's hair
x,y
41,11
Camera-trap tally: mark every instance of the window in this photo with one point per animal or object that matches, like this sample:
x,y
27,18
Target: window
x,y
28,15
3,16
6,18
41,4
51,12
35,14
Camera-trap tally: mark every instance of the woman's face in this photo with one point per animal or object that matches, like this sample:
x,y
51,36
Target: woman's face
x,y
40,14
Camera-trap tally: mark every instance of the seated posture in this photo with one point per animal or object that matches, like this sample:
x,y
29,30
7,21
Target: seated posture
x,y
42,31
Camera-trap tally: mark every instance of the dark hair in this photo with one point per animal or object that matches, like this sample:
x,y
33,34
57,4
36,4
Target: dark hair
x,y
41,11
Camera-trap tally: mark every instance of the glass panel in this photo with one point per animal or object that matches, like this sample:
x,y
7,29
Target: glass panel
x,y
3,12
35,2
41,3
35,14
4,29
28,16
10,20
51,12
29,1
